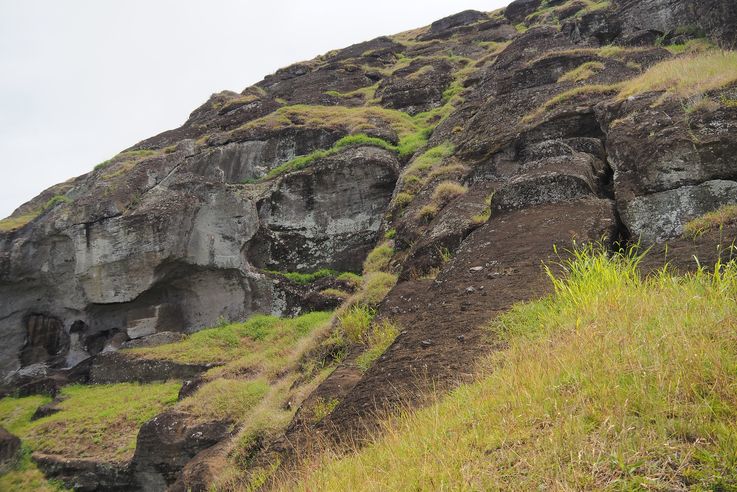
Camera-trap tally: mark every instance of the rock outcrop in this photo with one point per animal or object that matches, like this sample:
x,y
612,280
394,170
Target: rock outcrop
x,y
472,147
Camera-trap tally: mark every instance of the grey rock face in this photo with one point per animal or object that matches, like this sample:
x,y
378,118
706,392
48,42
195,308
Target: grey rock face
x,y
662,215
170,245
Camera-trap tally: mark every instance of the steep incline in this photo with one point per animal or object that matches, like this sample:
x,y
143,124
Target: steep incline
x,y
463,151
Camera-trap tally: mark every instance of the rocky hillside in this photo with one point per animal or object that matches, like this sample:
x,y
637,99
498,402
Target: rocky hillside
x,y
346,229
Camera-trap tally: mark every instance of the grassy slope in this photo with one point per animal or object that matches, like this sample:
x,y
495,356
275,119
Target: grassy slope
x,y
98,422
614,382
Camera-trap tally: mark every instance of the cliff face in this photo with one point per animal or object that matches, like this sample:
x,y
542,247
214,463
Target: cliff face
x,y
405,136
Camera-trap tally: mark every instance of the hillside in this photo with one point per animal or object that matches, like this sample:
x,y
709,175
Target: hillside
x,y
382,258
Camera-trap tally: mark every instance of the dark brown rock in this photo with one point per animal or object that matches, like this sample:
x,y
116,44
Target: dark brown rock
x,y
167,442
117,367
9,449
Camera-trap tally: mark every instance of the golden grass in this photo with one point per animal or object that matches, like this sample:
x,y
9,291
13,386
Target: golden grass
x,y
14,223
614,383
711,221
352,120
446,191
583,72
686,76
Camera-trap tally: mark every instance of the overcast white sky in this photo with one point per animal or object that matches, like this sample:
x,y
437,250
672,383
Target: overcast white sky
x,y
81,80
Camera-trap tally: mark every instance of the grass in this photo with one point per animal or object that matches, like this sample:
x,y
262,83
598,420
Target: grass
x,y
379,258
576,92
306,278
226,399
427,212
259,340
352,120
99,421
613,383
25,476
583,72
377,339
711,221
446,191
303,161
14,223
355,322
485,214
686,76
420,171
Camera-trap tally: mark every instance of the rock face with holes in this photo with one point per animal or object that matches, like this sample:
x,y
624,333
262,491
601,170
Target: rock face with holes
x,y
473,146
173,245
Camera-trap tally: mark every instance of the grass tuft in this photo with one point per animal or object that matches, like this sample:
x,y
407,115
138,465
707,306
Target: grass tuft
x,y
711,221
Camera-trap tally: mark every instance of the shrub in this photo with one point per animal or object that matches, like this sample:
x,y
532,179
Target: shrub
x,y
55,200
427,212
446,191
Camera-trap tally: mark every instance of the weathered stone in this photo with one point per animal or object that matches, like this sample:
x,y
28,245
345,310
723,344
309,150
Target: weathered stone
x,y
85,475
660,216
9,449
119,367
167,442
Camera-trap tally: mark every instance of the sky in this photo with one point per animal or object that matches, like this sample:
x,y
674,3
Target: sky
x,y
81,80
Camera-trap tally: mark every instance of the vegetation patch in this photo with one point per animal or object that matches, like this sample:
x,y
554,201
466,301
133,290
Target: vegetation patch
x,y
686,76
14,223
711,221
485,215
304,161
226,399
377,339
257,341
616,382
379,258
583,72
306,278
98,421
576,92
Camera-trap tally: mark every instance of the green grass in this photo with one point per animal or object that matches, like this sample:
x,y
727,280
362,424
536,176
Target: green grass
x,y
377,339
99,421
14,223
711,221
379,258
304,161
306,278
258,340
613,383
226,399
25,476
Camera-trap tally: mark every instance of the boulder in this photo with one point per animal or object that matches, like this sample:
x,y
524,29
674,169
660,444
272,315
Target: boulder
x,y
167,442
9,449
